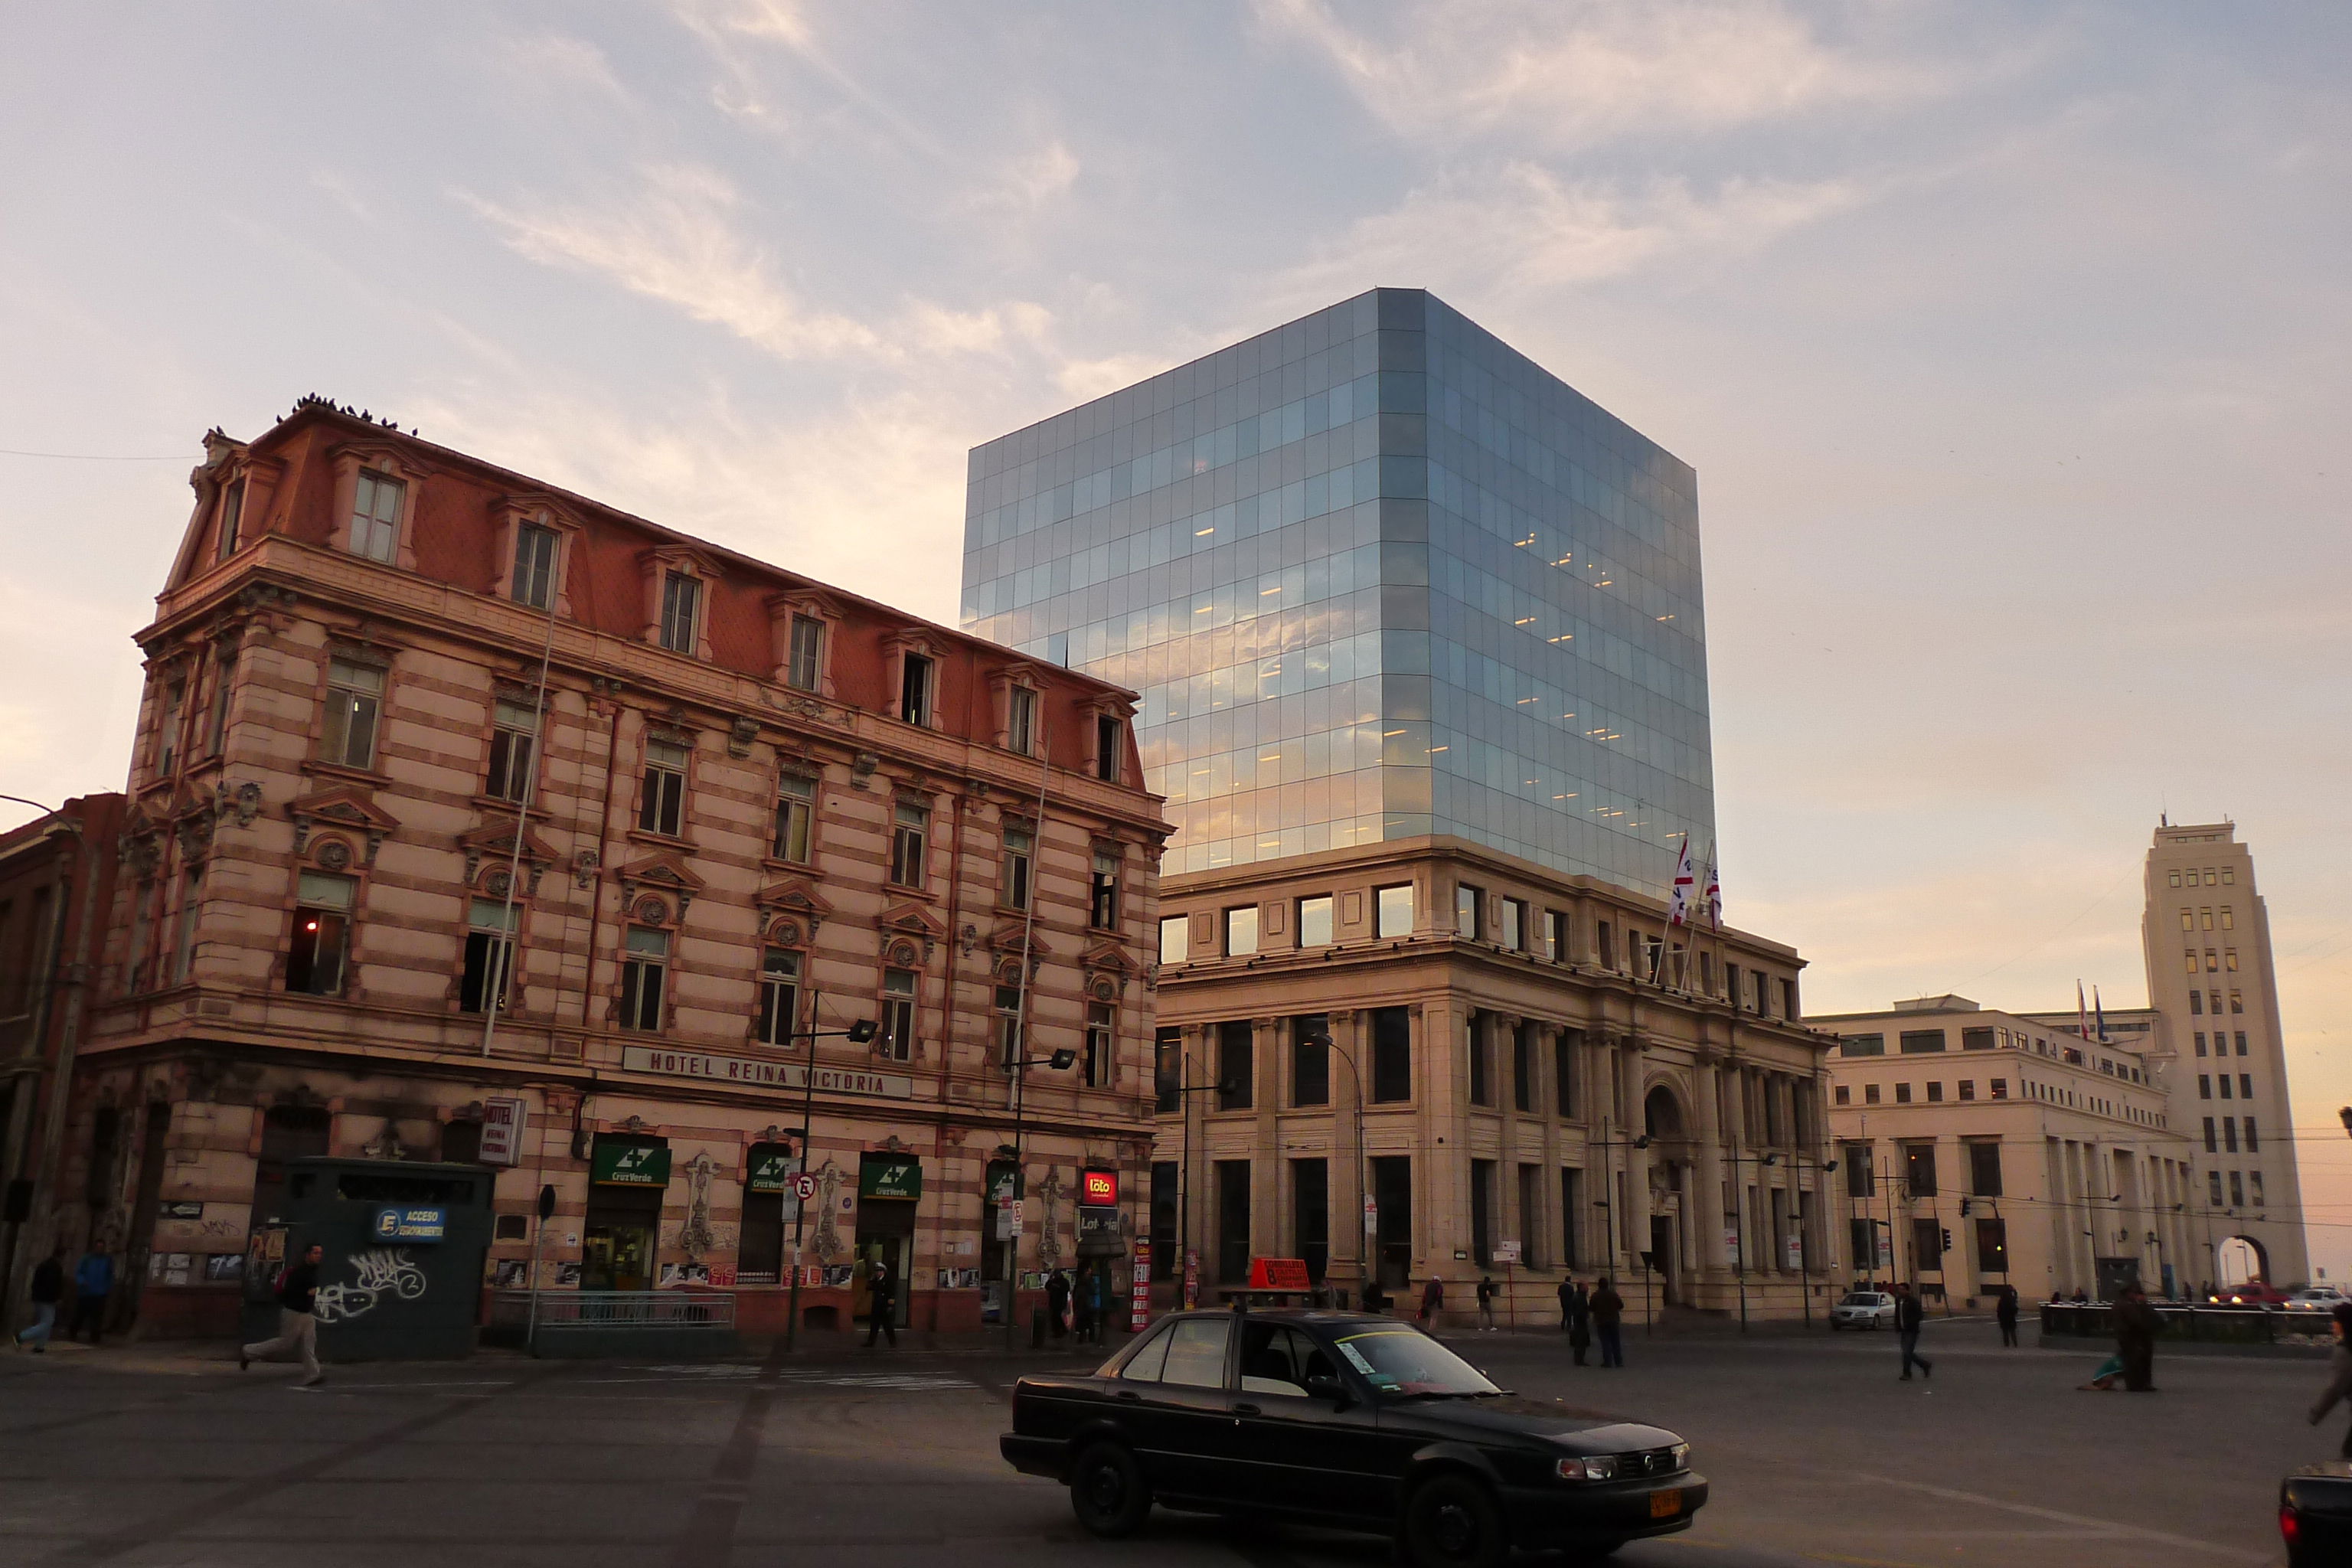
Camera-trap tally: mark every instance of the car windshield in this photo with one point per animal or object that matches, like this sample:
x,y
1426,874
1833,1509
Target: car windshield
x,y
1404,1362
1860,1298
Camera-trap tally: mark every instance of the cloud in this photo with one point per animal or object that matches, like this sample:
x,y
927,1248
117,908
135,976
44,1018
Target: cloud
x,y
1563,77
679,238
1522,229
1028,182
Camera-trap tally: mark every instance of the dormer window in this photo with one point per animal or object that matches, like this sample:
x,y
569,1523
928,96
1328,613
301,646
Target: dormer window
x,y
232,519
915,689
535,565
805,666
681,613
1021,719
1110,734
375,516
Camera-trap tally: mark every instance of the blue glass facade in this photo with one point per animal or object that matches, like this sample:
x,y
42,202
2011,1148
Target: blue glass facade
x,y
1376,576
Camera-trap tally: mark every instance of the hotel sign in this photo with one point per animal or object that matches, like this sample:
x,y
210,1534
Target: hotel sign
x,y
751,1072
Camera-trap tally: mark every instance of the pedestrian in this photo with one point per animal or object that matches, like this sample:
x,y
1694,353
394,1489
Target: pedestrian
x,y
1432,1300
1577,1309
2104,1381
2079,1298
881,1302
2136,1325
2340,1372
1910,1317
48,1284
93,1283
1375,1299
1098,1302
2004,1312
1486,1304
1608,1310
1567,1300
298,1321
1057,1301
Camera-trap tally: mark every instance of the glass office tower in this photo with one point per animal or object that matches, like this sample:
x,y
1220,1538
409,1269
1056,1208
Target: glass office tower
x,y
1377,576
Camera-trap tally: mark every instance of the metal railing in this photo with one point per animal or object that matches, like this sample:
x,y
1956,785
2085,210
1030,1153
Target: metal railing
x,y
619,1310
2232,1325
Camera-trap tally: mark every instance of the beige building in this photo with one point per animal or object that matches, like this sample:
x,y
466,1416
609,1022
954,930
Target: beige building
x,y
1497,1057
1977,1148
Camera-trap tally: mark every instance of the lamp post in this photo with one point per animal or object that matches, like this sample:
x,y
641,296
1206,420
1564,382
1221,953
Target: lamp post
x,y
1364,1245
1060,1062
1608,1182
1185,1088
859,1033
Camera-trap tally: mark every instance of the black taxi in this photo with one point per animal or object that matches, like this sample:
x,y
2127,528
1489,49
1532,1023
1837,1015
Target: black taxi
x,y
1344,1420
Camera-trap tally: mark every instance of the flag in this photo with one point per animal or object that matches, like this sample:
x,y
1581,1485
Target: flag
x,y
1678,910
2082,1013
1714,892
2099,1013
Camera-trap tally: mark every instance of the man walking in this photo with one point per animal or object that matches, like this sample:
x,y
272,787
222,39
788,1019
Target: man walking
x,y
1608,1310
1432,1300
1910,1317
881,1303
297,1322
1057,1302
1576,1315
93,1283
49,1285
2004,1312
2135,1323
1486,1304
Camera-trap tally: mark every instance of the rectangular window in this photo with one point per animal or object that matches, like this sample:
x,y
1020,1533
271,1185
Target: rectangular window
x,y
2237,1002
1392,910
780,995
1976,1039
1310,1209
1984,1170
534,566
232,521
2211,1146
915,689
1175,938
1110,740
2001,1088
375,516
1571,1188
1310,1060
1233,1227
898,1013
1935,1091
2228,920
1102,893
2253,1142
323,927
1482,1213
2245,1086
1870,1094
661,802
1967,1088
2213,1187
1789,999
1605,944
183,935
513,755
2196,998
1468,903
2241,1041
354,706
2255,1180
1843,1095
1862,1046
1563,1070
1391,1055
1241,931
2237,1190
2224,1080
910,833
645,972
1008,1026
1475,1044
2230,959
1236,1067
1515,925
804,666
1992,1245
681,611
1167,1072
795,819
1902,1094
1856,1159
1919,1169
167,726
490,926
1102,1035
1927,1247
1917,1042
1020,847
1556,935
1021,719
1315,920
224,686
1523,1067
2201,1043
2229,1134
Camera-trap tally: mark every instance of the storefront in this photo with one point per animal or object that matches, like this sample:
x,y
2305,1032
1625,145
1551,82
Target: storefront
x,y
889,1190
768,1211
628,1177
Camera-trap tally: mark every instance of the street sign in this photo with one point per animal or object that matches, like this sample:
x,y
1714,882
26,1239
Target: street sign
x,y
804,1187
1731,1245
1098,1189
1008,1219
1140,1302
1796,1252
1371,1217
1506,1252
503,1120
409,1222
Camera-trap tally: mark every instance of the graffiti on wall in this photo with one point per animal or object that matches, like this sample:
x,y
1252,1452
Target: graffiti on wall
x,y
378,1272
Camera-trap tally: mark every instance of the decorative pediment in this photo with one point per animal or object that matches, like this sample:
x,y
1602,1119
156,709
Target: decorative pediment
x,y
1010,937
1107,968
667,869
793,896
345,806
914,919
493,841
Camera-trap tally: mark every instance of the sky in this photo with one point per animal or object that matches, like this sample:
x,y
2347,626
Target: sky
x,y
2008,343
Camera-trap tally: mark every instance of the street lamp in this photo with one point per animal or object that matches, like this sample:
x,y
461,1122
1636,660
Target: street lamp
x,y
1059,1061
859,1033
1184,1170
1364,1245
1608,1174
1739,1263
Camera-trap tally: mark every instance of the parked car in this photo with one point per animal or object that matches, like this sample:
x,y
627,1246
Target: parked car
x,y
1344,1420
2314,1298
2316,1514
2252,1293
1864,1310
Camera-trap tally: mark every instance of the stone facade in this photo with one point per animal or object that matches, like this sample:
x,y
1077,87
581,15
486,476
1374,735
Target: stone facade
x,y
1515,1056
747,807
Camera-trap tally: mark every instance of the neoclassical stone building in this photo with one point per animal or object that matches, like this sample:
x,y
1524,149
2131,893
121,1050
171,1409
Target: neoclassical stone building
x,y
1513,1057
454,789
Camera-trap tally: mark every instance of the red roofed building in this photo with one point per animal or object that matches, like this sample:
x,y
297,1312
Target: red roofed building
x,y
741,806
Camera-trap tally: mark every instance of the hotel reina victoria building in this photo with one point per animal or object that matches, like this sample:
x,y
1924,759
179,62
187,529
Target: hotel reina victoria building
x,y
388,894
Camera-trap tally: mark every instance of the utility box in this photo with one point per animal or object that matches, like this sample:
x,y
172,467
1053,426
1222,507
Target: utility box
x,y
402,1278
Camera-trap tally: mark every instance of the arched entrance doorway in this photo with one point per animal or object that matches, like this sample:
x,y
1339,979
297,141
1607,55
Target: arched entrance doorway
x,y
2239,1258
1662,1119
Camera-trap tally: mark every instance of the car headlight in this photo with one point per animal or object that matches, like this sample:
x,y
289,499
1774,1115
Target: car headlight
x,y
1602,1467
1681,1455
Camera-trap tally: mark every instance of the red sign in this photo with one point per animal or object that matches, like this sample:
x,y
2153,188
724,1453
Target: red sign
x,y
1140,1300
1279,1274
1098,1189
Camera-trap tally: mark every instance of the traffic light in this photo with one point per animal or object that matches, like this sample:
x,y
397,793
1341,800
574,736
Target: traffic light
x,y
1963,1213
1948,1238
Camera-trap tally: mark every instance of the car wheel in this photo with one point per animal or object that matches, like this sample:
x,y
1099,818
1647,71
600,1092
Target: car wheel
x,y
1451,1521
1108,1493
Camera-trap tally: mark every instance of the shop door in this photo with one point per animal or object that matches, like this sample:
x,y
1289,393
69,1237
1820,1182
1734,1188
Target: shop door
x,y
1663,1259
618,1241
886,1231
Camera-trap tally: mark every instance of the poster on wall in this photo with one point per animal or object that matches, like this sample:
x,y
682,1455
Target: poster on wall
x,y
503,1120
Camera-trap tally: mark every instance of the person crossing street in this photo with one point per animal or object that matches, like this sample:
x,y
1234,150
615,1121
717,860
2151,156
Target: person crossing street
x,y
1910,1317
298,1321
1608,1310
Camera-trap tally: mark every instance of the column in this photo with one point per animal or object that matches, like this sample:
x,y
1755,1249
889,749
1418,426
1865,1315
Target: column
x,y
1270,1236
1547,1047
1703,1206
1631,1057
1505,1027
1349,1164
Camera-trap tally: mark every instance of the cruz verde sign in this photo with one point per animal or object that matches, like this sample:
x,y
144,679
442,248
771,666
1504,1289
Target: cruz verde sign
x,y
890,1179
628,1166
753,1072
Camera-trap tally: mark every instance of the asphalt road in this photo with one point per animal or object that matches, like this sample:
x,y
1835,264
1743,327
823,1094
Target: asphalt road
x,y
1816,1452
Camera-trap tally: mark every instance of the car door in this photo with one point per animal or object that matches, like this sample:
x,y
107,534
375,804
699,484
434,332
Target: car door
x,y
1302,1453
1185,1425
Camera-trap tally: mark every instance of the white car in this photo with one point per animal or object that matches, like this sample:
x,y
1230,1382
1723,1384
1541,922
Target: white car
x,y
1864,1310
2316,1299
